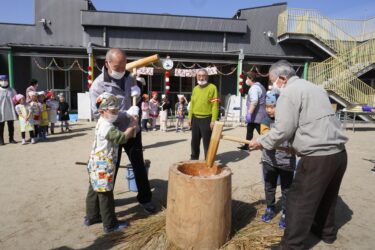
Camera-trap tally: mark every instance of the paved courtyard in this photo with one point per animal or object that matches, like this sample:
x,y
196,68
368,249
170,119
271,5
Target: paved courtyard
x,y
42,191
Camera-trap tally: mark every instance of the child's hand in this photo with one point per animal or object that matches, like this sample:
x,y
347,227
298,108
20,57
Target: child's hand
x,y
134,121
129,132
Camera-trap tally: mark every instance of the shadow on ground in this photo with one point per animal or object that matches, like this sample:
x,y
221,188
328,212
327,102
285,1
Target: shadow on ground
x,y
159,197
232,156
65,136
163,143
343,216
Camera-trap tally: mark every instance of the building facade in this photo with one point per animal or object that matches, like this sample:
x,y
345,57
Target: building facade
x,y
54,49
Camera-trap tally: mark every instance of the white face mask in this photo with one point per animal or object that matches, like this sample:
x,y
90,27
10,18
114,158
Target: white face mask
x,y
4,84
111,118
247,82
276,87
115,74
201,83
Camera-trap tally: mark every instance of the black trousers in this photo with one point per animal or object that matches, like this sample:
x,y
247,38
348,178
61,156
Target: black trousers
x,y
312,198
10,130
101,205
134,150
23,134
200,130
36,130
271,174
250,130
144,124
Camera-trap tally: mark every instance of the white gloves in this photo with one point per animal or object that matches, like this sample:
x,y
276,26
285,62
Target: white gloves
x,y
133,111
135,91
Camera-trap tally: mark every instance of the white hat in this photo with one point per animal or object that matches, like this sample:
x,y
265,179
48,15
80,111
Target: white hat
x,y
142,80
163,96
180,96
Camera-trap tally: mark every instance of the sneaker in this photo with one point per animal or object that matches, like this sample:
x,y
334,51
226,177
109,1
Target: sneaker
x,y
373,170
149,207
89,222
120,226
154,129
268,215
244,147
23,142
282,221
33,141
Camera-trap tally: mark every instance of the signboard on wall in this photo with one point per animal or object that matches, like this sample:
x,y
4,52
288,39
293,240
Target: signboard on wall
x,y
193,72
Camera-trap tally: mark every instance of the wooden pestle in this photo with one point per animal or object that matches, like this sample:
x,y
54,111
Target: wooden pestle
x,y
215,139
214,143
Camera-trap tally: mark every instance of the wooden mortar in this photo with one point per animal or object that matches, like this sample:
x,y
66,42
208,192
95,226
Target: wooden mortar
x,y
198,205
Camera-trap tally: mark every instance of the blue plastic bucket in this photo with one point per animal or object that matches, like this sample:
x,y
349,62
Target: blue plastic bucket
x,y
132,186
73,117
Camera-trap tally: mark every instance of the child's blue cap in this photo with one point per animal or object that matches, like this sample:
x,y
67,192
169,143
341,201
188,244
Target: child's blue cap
x,y
3,77
271,98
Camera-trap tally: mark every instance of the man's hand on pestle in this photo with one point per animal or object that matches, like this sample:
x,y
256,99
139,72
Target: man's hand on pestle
x,y
254,145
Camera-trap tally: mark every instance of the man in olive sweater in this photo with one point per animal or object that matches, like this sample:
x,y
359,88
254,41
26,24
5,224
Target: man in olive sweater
x,y
203,112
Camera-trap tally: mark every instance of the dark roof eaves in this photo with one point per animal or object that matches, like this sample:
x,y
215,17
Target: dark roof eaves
x,y
264,6
155,14
19,24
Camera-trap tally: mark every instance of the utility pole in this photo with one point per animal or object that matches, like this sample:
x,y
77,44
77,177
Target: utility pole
x,y
241,56
10,69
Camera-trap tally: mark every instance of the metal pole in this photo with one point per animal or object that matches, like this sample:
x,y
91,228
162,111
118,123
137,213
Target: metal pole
x,y
306,71
239,72
10,69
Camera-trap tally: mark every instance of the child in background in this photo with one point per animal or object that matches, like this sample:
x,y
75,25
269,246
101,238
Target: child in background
x,y
53,105
276,164
35,112
25,118
43,123
154,109
164,109
100,205
180,112
145,106
63,112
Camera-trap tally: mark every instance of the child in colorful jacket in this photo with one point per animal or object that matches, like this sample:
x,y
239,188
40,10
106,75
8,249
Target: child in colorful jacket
x,y
53,105
25,118
276,164
145,106
35,112
43,123
154,109
100,205
180,112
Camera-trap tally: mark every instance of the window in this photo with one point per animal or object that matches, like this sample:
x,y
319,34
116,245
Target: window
x,y
186,84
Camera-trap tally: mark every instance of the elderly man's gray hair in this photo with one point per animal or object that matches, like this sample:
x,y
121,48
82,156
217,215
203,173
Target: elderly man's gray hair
x,y
202,70
112,52
282,68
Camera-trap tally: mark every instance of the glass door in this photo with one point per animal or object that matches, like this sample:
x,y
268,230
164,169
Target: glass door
x,y
60,84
